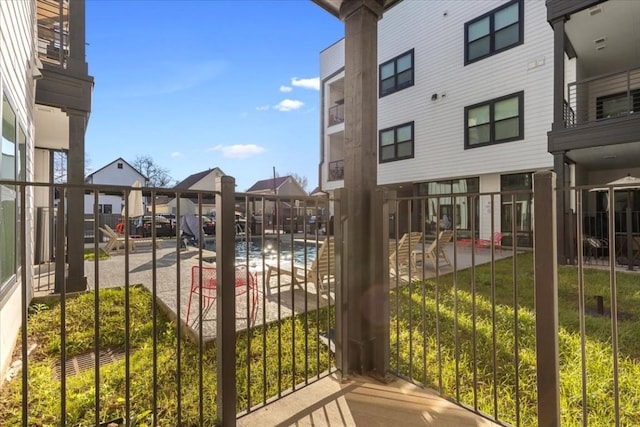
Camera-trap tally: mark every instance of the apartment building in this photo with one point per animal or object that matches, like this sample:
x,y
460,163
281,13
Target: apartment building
x,y
465,104
46,100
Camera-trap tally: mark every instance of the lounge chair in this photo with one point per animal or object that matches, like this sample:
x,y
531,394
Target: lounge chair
x,y
115,242
321,270
400,252
435,251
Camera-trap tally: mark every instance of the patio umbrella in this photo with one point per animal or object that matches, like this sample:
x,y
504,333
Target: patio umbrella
x,y
626,183
134,202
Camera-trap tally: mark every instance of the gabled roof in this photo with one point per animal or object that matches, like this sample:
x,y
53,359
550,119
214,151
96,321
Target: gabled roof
x,y
118,160
191,180
268,184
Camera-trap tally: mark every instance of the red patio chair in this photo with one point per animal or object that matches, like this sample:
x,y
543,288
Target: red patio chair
x,y
245,282
486,243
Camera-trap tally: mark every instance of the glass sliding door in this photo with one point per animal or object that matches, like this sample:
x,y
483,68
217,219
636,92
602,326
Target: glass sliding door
x,y
452,202
521,214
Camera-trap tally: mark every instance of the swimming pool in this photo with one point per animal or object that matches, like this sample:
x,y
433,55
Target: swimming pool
x,y
268,249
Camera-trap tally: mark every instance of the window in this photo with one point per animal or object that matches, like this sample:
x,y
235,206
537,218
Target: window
x,y
8,195
396,143
617,105
495,121
119,165
494,32
107,209
396,74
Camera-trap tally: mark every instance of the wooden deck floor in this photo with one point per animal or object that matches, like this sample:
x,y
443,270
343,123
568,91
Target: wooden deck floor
x,y
363,401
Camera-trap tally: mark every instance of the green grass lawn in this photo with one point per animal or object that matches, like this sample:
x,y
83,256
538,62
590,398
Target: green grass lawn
x,y
418,311
417,314
44,388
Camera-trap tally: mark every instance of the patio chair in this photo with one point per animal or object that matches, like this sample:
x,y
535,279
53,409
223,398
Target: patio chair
x,y
133,241
486,243
400,252
594,247
435,251
323,267
245,282
115,241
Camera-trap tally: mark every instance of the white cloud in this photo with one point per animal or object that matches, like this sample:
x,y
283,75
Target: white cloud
x,y
312,83
288,105
238,151
176,154
262,108
284,88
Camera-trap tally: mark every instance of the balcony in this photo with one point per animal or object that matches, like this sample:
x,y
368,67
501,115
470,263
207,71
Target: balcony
x,y
603,110
336,170
53,44
336,114
604,97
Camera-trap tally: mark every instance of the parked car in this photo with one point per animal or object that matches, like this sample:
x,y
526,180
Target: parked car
x,y
142,226
208,225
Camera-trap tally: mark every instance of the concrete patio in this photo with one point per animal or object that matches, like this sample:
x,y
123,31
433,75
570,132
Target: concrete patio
x,y
362,401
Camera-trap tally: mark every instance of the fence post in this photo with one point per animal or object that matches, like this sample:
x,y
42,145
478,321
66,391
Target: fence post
x,y
339,225
546,298
378,316
225,300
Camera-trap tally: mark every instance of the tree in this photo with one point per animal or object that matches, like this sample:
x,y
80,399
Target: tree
x,y
302,180
60,166
157,175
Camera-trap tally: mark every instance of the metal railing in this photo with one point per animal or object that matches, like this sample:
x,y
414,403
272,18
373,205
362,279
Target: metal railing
x,y
336,114
603,97
508,333
336,170
53,31
123,351
479,321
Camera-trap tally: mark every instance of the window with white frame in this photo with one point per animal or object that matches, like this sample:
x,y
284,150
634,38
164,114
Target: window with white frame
x,y
496,121
396,74
494,32
396,143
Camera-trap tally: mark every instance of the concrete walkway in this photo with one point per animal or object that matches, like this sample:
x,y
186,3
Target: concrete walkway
x,y
363,402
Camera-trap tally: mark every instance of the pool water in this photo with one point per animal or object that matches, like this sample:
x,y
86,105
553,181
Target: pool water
x,y
269,250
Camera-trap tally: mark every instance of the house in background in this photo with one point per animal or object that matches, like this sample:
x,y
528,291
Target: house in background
x,y
205,181
118,172
46,100
280,186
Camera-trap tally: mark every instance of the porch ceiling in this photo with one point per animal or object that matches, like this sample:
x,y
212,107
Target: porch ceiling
x,y
333,6
607,157
618,23
51,128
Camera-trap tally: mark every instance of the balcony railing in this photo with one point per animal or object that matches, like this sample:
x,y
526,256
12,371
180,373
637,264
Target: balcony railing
x,y
603,97
336,170
53,15
336,114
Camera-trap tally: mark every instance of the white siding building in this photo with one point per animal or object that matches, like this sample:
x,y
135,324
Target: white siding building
x,y
465,103
118,172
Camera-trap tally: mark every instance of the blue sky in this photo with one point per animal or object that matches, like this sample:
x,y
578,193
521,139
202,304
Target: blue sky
x,y
204,84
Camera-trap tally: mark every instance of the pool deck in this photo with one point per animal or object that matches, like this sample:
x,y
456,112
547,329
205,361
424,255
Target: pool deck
x,y
171,269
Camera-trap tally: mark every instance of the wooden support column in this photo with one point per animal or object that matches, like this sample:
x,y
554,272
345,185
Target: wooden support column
x,y
75,196
361,96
